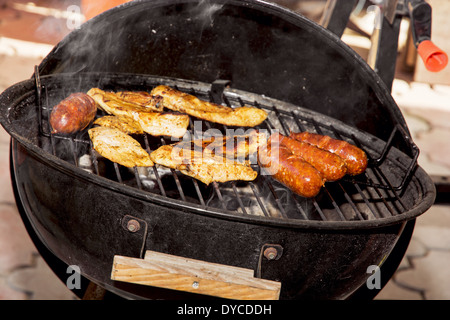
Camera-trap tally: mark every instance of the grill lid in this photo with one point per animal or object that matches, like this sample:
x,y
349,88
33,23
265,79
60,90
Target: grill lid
x,y
259,46
393,189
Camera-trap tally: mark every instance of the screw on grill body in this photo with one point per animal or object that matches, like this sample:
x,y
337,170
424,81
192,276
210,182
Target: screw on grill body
x,y
133,225
195,285
270,253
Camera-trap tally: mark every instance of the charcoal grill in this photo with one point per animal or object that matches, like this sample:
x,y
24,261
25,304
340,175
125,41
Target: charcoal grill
x,y
79,205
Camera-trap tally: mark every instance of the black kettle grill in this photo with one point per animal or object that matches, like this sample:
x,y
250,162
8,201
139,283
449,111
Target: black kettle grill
x,y
78,208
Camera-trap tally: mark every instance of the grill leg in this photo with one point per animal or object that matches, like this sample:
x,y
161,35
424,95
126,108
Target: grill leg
x,y
336,15
383,53
442,184
94,292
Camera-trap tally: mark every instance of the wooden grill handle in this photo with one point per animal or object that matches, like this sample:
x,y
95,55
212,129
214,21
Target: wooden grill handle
x,y
194,276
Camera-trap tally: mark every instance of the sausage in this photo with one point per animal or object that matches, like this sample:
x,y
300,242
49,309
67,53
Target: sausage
x,y
354,157
331,166
73,114
290,169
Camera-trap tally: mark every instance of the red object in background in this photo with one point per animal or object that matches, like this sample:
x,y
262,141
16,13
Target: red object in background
x,y
91,8
434,58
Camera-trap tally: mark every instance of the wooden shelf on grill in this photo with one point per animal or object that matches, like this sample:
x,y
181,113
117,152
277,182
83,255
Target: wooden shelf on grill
x,y
195,276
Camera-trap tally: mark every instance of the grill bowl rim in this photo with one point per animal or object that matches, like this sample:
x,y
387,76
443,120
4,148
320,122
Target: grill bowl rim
x,y
420,176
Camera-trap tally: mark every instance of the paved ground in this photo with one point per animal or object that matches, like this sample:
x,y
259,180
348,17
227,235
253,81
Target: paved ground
x,y
422,275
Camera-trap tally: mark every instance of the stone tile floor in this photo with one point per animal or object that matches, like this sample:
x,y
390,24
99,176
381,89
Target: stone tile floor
x,y
422,275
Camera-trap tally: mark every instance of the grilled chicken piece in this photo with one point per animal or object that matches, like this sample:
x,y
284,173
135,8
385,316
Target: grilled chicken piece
x,y
124,124
232,147
162,124
138,101
193,106
153,123
119,147
205,168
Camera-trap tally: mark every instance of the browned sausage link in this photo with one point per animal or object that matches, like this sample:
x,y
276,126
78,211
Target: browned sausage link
x,y
291,170
331,166
354,157
73,114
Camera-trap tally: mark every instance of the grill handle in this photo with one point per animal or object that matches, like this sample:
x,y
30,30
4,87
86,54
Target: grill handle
x,y
194,276
419,13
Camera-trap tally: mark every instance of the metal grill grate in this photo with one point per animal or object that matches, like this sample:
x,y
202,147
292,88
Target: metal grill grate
x,y
377,194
